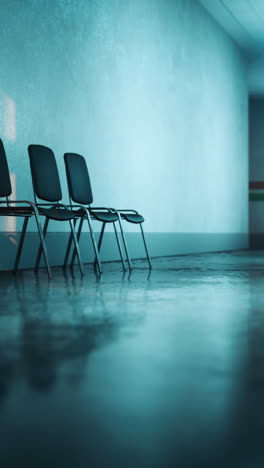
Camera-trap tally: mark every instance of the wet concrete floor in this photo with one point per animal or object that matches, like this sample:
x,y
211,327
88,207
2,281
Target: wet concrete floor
x,y
135,371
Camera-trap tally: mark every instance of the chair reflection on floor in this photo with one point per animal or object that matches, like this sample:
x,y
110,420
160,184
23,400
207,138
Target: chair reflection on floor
x,y
48,339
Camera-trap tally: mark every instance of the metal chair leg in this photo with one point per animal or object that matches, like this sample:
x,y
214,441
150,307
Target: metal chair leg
x,y
21,243
101,237
145,245
42,241
78,238
76,247
68,247
119,247
124,243
97,261
41,245
100,241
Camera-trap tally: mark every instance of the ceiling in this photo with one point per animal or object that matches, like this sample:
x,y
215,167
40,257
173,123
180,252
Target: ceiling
x,y
243,20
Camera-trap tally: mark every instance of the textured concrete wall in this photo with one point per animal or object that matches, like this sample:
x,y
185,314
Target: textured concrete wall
x,y
153,93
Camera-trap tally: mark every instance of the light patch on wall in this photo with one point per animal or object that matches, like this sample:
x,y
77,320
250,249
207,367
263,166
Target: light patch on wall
x,y
9,118
8,131
10,223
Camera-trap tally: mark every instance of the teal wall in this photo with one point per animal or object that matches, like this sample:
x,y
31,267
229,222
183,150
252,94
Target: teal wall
x,y
152,92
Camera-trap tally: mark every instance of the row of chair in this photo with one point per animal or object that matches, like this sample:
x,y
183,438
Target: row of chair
x,y
48,203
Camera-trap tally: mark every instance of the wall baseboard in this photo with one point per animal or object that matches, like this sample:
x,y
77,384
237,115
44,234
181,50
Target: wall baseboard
x,y
160,244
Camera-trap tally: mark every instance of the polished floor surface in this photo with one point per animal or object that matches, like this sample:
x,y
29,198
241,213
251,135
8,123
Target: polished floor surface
x,y
135,371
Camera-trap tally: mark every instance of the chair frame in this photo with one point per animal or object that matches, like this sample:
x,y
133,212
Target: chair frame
x,y
45,228
90,210
88,214
26,212
32,210
55,204
121,211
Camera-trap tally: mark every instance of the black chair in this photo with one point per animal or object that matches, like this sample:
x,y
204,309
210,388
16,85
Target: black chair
x,y
47,187
8,208
80,193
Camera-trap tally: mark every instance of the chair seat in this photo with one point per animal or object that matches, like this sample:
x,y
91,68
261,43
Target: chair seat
x,y
58,214
104,216
132,218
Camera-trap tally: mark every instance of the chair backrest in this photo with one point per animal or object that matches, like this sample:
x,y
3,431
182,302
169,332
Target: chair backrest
x,y
44,172
78,179
5,182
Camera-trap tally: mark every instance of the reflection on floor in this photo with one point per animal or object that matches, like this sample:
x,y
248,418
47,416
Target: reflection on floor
x,y
148,370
